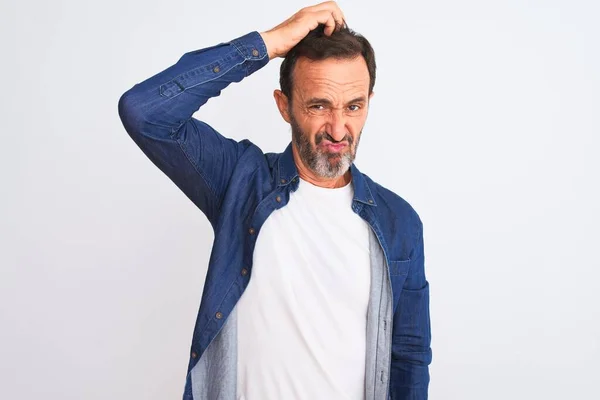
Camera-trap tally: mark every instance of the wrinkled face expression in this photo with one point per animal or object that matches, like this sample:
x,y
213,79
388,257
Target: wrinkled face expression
x,y
328,110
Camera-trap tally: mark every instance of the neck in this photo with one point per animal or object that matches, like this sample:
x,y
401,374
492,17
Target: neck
x,y
306,174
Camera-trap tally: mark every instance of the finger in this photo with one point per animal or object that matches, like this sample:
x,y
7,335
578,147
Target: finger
x,y
323,17
339,18
326,18
335,10
329,6
330,26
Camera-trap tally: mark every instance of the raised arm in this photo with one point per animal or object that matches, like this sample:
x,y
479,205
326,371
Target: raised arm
x,y
157,114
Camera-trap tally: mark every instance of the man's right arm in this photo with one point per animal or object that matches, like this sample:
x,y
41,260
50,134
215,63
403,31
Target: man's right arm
x,y
157,114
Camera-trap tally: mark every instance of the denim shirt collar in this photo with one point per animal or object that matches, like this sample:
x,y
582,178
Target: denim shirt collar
x,y
287,173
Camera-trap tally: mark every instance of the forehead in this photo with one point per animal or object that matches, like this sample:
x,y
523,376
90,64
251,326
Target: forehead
x,y
331,77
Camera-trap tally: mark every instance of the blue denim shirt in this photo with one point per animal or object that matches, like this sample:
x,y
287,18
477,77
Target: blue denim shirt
x,y
237,186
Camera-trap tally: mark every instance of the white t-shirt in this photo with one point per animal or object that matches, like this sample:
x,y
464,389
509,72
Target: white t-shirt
x,y
302,318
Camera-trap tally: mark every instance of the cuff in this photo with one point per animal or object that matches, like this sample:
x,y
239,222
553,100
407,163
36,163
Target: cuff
x,y
252,47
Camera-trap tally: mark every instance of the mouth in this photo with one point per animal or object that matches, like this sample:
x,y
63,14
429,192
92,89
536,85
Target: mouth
x,y
333,147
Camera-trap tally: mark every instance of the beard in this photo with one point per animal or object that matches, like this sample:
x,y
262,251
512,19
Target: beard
x,y
323,163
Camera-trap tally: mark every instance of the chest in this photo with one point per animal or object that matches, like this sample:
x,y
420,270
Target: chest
x,y
314,249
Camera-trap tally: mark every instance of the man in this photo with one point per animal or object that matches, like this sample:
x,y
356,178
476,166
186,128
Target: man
x,y
316,286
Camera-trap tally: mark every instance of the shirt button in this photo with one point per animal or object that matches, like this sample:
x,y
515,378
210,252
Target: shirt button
x,y
251,231
244,272
194,355
278,199
370,201
219,315
255,53
216,69
283,181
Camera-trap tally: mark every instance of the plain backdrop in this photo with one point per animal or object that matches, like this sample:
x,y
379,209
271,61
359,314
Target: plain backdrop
x,y
485,119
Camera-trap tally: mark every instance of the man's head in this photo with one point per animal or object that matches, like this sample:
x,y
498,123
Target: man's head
x,y
326,84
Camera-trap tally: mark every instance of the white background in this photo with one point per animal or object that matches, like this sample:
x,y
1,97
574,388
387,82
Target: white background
x,y
485,118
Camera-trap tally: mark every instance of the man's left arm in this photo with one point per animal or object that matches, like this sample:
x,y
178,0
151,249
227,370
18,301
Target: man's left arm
x,y
411,334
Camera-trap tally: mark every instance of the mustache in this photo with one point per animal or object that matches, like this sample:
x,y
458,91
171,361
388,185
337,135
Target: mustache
x,y
326,136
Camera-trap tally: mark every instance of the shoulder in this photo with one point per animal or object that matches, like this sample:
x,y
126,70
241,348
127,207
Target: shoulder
x,y
394,208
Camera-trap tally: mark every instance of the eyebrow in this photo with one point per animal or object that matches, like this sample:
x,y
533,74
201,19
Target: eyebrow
x,y
319,100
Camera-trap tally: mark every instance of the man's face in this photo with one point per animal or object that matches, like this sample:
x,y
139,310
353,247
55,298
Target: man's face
x,y
327,112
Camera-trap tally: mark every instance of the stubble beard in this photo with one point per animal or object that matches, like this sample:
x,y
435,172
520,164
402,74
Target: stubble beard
x,y
323,164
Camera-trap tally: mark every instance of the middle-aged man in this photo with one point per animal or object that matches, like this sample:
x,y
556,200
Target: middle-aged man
x,y
316,286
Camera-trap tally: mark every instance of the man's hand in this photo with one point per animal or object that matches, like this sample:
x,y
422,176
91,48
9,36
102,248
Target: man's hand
x,y
286,35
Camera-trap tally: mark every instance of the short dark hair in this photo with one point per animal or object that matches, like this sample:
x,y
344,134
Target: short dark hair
x,y
344,43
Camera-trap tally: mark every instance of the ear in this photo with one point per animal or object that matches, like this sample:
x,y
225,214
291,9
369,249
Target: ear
x,y
282,104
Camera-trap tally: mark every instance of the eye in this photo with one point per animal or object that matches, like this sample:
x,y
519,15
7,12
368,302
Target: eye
x,y
317,107
354,107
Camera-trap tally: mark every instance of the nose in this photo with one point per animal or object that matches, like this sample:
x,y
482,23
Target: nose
x,y
337,125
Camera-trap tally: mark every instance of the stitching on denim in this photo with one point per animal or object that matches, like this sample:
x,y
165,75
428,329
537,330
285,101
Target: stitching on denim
x,y
378,313
206,67
208,80
210,319
212,190
174,131
401,262
239,50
